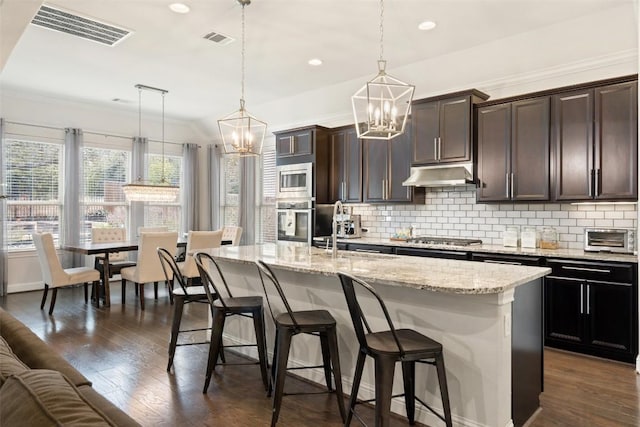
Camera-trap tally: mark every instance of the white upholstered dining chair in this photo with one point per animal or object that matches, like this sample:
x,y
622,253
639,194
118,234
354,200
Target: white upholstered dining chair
x,y
148,268
233,233
117,260
159,229
54,276
197,240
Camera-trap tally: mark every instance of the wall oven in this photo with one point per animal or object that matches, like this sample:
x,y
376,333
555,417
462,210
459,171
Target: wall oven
x,y
294,181
295,220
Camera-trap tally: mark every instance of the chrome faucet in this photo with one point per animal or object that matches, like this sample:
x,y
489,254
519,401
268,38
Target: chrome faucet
x,y
337,208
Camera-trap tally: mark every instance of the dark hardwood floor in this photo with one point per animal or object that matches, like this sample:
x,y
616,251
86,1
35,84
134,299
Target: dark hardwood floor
x,y
123,351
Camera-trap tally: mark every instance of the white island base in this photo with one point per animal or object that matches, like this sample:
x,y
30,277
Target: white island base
x,y
482,334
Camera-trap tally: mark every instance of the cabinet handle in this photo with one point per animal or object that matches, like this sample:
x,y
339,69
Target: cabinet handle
x,y
512,185
435,148
506,190
593,270
597,184
491,261
369,251
384,190
344,190
292,144
591,178
588,291
439,148
581,299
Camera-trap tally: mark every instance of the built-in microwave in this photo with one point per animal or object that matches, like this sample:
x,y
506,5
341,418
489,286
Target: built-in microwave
x,y
294,181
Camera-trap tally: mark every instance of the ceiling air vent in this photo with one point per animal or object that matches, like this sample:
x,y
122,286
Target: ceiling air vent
x,y
221,39
86,28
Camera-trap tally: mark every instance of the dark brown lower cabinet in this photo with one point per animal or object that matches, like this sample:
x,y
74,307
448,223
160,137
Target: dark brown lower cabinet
x,y
591,308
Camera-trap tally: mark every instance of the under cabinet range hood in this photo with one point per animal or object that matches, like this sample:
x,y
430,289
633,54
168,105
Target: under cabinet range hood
x,y
440,176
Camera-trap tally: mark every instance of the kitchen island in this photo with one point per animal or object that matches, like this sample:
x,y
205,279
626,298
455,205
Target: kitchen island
x,y
488,318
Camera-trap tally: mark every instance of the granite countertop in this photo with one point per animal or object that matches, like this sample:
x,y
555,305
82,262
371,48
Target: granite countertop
x,y
434,274
499,249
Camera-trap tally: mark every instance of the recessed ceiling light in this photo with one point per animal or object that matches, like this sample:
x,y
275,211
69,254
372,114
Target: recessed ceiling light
x,y
179,8
315,62
426,25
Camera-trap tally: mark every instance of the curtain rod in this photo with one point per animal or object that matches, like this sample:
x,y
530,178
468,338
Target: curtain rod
x,y
92,132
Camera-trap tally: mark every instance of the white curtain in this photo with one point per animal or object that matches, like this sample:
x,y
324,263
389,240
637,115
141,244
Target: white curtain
x,y
73,190
213,179
189,189
247,209
3,215
138,172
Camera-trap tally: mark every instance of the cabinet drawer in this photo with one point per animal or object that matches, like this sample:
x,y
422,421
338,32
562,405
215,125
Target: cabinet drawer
x,y
608,272
507,259
360,247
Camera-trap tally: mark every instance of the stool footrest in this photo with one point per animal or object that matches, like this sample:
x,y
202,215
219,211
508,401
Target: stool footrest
x,y
191,343
431,409
304,367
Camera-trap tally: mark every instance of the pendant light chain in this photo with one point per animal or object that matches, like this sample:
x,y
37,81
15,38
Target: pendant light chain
x,y
162,178
381,29
242,72
139,112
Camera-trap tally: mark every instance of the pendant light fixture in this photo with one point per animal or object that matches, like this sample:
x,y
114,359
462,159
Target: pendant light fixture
x,y
381,107
242,134
141,191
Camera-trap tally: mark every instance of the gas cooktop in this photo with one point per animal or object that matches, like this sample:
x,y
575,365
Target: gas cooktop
x,y
449,241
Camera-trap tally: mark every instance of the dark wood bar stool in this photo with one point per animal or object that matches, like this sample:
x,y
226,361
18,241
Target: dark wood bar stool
x,y
290,323
226,305
386,348
182,295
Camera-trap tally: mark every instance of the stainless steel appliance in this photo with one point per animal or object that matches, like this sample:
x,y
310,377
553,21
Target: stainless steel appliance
x,y
349,226
294,181
294,220
449,241
619,240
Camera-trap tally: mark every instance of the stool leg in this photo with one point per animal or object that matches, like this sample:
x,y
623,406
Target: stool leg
x,y
337,374
356,386
175,328
274,363
326,359
409,377
384,371
281,372
214,345
261,341
444,390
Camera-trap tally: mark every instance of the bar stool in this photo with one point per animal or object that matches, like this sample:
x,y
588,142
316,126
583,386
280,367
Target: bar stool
x,y
386,348
314,322
182,295
226,305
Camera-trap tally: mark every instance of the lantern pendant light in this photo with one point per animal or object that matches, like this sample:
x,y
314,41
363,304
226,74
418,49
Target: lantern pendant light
x,y
242,134
381,107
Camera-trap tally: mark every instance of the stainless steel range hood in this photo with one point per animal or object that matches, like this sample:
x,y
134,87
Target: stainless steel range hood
x,y
440,176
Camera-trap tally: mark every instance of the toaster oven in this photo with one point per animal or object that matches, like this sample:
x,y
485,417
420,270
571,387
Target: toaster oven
x,y
618,240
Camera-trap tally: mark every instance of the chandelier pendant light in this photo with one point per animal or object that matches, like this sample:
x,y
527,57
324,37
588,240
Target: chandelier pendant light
x,y
242,134
381,107
141,191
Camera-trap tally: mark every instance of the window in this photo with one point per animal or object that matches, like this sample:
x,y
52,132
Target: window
x,y
164,214
103,203
230,179
267,200
33,191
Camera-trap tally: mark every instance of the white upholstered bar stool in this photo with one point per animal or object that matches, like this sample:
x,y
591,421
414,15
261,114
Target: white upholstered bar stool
x,y
148,268
197,240
55,276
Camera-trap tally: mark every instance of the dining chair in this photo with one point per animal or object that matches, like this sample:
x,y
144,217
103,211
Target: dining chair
x,y
117,260
197,240
55,276
233,233
159,229
223,304
148,268
289,323
387,347
182,295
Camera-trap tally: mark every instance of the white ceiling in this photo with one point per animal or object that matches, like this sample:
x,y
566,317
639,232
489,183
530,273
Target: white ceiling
x,y
167,50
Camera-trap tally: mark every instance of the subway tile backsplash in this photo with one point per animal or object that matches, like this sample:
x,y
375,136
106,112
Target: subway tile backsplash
x,y
453,212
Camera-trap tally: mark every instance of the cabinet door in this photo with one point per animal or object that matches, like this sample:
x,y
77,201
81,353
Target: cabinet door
x,y
303,142
375,169
399,168
564,310
494,140
455,130
425,122
338,179
573,145
283,145
616,142
353,166
610,307
530,149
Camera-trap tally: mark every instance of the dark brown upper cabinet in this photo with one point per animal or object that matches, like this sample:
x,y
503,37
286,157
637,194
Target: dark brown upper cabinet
x,y
513,151
346,165
305,144
442,128
595,139
386,164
